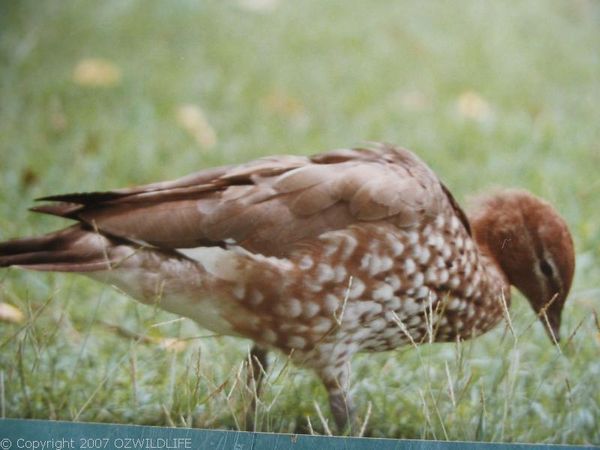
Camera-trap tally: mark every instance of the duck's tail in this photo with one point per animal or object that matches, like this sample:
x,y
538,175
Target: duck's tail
x,y
73,249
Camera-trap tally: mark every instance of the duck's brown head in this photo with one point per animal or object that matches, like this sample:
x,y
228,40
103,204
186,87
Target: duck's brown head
x,y
532,245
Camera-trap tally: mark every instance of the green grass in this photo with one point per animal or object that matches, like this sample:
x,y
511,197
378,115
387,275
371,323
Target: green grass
x,y
300,78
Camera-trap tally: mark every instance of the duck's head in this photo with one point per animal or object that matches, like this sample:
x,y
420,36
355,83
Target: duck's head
x,y
532,245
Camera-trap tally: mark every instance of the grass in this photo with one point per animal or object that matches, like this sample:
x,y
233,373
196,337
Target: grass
x,y
489,94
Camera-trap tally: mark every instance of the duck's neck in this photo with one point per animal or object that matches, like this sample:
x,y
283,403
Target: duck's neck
x,y
484,234
493,289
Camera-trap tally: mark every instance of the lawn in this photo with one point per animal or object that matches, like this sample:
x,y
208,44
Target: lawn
x,y
98,95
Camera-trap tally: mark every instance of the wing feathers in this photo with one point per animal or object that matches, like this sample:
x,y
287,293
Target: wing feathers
x,y
268,204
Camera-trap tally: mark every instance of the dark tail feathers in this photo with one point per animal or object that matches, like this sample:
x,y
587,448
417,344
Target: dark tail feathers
x,y
70,250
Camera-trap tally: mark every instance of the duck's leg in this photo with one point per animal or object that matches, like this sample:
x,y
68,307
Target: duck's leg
x,y
257,368
337,383
343,411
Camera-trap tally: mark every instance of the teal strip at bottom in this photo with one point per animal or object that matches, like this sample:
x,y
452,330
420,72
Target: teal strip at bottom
x,y
49,435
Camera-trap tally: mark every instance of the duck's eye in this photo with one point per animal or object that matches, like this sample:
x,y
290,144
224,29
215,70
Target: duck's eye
x,y
546,268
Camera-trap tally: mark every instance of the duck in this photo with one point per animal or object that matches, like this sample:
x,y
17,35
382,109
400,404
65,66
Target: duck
x,y
320,258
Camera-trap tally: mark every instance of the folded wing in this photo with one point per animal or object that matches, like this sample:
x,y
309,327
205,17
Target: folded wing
x,y
266,205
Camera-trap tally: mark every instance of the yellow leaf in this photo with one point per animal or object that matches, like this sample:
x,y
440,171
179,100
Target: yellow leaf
x,y
96,72
473,106
192,119
10,313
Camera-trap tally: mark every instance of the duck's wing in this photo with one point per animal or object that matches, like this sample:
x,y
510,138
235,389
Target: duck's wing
x,y
266,205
